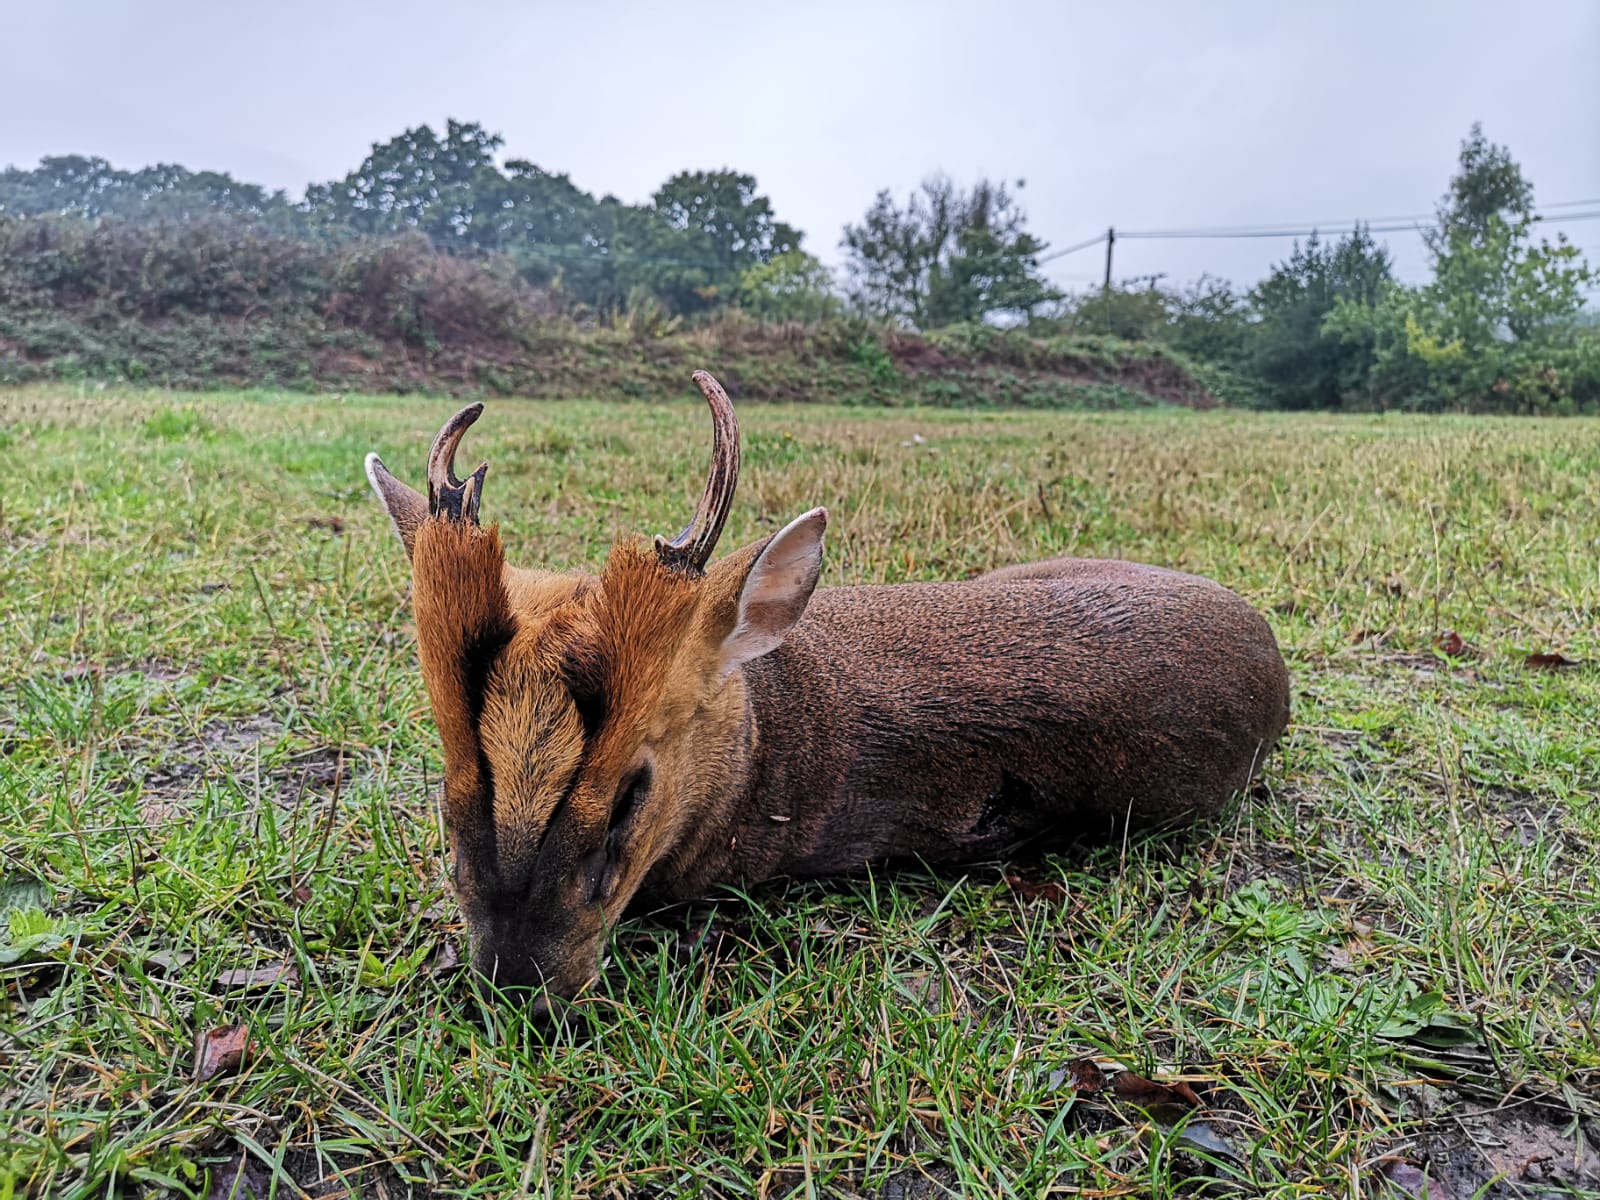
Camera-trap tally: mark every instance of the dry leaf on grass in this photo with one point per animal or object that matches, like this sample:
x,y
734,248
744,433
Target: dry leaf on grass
x,y
1551,661
446,958
220,1051
1152,1096
1052,890
245,978
167,962
437,910
1085,1076
934,991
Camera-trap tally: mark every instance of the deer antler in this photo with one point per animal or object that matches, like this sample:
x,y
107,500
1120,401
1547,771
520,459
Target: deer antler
x,y
448,496
692,548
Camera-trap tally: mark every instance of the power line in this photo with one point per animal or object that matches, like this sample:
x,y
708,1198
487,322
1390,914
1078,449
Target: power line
x,y
1418,223
1094,241
1309,229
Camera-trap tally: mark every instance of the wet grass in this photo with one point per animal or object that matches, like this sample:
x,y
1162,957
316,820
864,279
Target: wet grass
x,y
215,755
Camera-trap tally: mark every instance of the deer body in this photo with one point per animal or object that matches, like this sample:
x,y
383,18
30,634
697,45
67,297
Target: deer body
x,y
674,723
923,720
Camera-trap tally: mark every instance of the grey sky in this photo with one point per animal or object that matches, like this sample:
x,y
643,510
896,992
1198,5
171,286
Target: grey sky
x,y
1141,115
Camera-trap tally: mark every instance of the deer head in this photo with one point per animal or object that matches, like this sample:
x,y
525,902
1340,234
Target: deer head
x,y
587,721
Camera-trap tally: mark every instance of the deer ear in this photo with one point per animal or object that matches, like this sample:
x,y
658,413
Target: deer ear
x,y
776,590
408,508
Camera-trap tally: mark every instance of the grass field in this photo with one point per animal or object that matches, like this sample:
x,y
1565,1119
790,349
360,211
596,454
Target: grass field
x,y
215,774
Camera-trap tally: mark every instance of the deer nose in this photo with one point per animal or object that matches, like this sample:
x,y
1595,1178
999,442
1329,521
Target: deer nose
x,y
519,980
506,972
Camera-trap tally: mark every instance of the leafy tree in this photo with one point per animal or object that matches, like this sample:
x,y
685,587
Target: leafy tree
x,y
948,256
1491,281
67,185
1488,184
1298,362
712,226
416,181
1211,321
793,286
78,186
1498,326
737,225
646,257
686,249
1135,310
1207,319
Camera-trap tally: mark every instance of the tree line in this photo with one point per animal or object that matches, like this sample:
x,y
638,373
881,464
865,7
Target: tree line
x,y
1501,324
688,248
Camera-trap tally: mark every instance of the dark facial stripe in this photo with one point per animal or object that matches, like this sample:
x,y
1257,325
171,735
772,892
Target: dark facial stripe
x,y
478,657
583,675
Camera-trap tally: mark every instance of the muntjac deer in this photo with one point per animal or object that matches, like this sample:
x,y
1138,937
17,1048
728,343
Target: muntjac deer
x,y
674,723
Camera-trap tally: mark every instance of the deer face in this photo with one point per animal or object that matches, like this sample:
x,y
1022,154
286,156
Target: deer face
x,y
588,723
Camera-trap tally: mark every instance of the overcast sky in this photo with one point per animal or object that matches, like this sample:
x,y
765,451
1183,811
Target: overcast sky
x,y
1139,115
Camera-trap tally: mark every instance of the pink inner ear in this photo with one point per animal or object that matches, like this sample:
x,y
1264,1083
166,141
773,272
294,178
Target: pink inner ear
x,y
777,590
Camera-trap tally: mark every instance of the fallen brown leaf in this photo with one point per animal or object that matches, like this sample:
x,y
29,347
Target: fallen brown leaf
x,y
1449,642
1148,1094
438,910
220,1051
1086,1075
299,894
1051,889
1552,661
259,977
446,958
168,962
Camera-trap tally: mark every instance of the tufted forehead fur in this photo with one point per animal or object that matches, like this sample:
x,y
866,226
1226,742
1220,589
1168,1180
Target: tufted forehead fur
x,y
544,686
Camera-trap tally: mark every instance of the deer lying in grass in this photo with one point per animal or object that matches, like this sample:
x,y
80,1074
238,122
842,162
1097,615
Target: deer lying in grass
x,y
674,723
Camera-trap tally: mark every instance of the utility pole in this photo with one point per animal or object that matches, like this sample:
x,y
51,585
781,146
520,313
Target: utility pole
x,y
1111,240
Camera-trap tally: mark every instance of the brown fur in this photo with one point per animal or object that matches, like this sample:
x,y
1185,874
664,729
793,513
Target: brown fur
x,y
599,750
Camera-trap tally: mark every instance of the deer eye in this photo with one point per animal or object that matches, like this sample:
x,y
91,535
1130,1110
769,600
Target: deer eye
x,y
631,792
635,786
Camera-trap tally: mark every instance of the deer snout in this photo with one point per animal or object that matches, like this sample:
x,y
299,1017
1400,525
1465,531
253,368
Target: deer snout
x,y
545,975
508,972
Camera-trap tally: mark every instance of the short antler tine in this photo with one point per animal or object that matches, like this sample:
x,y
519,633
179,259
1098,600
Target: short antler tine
x,y
692,548
472,492
446,493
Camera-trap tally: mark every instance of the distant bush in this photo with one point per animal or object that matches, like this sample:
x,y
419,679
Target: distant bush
x,y
233,268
